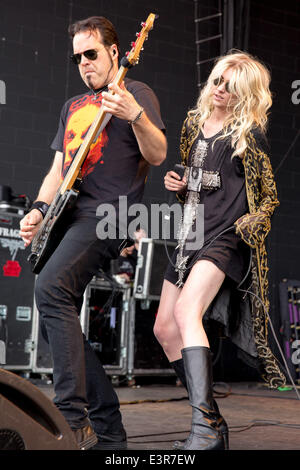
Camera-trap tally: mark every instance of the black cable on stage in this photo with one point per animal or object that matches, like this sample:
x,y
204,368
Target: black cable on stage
x,y
240,394
258,422
276,339
167,400
114,291
221,394
234,428
149,400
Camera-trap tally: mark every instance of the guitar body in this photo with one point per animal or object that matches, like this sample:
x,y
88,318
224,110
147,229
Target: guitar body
x,y
52,231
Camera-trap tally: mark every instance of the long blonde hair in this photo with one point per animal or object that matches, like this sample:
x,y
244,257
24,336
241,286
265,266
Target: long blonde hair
x,y
249,82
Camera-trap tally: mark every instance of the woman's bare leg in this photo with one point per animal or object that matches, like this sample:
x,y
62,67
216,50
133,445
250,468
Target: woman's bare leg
x,y
201,287
165,328
179,319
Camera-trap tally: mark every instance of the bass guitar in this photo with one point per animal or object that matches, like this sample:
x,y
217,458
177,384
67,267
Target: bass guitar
x,y
51,231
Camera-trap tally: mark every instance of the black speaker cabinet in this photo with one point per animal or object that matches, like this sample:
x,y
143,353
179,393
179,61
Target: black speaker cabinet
x,y
28,419
16,291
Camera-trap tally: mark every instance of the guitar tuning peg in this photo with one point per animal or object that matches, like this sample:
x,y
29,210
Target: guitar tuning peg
x,y
137,35
127,53
133,44
143,24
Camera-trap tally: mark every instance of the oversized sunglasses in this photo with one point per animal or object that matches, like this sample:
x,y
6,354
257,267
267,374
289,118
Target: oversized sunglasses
x,y
90,54
219,80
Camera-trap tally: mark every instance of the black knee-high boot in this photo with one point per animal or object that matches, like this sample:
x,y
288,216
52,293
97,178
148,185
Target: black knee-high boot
x,y
178,366
205,433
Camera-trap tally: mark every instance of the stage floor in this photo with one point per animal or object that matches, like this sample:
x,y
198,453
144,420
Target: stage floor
x,y
158,414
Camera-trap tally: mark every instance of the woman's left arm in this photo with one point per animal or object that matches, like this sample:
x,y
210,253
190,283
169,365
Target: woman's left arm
x,y
255,226
269,199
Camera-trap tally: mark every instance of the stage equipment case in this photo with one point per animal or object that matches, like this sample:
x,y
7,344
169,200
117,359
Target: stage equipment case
x,y
152,262
16,292
289,297
104,321
145,355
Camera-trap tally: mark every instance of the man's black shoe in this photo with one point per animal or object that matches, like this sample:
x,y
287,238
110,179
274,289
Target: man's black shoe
x,y
111,442
85,437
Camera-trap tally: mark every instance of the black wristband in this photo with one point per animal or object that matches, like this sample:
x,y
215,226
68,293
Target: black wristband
x,y
40,206
139,115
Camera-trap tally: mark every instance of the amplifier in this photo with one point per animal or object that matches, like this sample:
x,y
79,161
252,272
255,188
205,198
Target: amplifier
x,y
152,262
16,292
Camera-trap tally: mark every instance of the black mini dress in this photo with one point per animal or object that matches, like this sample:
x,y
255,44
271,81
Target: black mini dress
x,y
222,207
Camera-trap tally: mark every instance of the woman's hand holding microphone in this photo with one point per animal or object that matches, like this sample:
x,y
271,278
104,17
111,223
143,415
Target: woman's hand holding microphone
x,y
175,180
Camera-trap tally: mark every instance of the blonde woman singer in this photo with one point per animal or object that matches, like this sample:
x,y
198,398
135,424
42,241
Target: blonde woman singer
x,y
223,149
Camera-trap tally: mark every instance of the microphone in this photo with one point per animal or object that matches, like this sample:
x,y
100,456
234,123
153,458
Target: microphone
x,y
179,169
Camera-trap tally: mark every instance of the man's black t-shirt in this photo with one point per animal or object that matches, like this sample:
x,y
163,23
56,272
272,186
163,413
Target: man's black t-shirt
x,y
114,166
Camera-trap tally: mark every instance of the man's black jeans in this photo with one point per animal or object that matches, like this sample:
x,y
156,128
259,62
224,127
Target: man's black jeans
x,y
80,382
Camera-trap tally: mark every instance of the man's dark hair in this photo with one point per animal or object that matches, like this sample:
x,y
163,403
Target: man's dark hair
x,y
94,23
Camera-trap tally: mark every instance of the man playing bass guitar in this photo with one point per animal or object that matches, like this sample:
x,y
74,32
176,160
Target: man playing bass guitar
x,y
117,164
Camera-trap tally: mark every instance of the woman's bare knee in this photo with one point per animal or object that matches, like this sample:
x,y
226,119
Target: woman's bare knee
x,y
188,314
165,324
160,330
198,292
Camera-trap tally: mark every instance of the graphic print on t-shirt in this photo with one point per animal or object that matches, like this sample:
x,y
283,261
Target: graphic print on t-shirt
x,y
81,115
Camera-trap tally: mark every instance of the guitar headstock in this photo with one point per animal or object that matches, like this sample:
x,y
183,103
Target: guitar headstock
x,y
142,36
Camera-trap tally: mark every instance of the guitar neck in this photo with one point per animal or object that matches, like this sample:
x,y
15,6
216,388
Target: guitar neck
x,y
102,117
83,150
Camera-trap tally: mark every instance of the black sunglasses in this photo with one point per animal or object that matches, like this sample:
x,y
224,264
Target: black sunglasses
x,y
217,81
90,54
